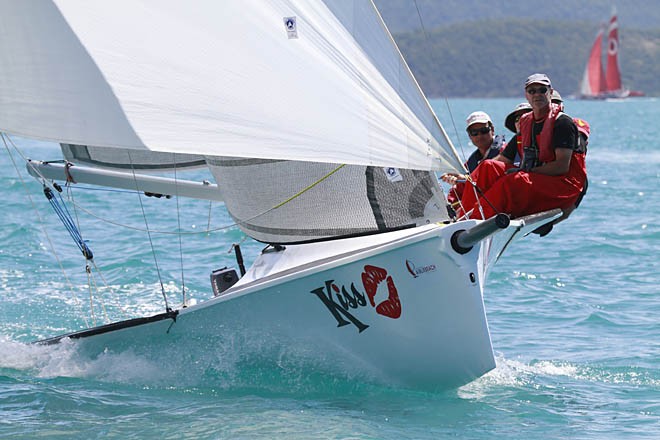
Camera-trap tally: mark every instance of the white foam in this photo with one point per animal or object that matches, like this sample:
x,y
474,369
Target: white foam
x,y
63,360
513,373
41,360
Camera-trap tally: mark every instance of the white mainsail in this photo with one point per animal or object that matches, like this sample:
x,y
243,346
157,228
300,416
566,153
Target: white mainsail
x,y
219,79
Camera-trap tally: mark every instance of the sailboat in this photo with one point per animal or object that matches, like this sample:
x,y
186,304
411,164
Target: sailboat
x,y
322,146
598,83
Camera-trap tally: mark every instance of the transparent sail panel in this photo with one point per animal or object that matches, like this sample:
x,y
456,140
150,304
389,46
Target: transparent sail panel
x,y
119,158
291,201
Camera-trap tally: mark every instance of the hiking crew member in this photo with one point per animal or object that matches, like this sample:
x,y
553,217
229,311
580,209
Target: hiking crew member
x,y
552,171
481,130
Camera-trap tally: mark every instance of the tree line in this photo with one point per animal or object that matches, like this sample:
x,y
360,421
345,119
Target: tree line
x,y
491,58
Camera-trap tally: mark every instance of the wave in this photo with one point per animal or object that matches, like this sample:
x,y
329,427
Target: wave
x,y
256,366
536,374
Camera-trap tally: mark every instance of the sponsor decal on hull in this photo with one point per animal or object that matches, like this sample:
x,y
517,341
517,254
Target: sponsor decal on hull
x,y
340,302
416,271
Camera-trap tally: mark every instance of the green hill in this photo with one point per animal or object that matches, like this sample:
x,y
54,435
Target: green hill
x,y
403,16
492,57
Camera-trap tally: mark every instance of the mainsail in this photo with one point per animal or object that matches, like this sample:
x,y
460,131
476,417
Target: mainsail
x,y
593,79
272,95
317,81
613,77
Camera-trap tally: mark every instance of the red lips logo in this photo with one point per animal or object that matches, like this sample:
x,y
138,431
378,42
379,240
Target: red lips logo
x,y
371,278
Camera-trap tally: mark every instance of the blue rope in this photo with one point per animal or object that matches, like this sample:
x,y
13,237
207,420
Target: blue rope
x,y
62,212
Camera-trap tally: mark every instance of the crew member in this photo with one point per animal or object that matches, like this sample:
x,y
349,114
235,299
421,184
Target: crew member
x,y
552,172
481,130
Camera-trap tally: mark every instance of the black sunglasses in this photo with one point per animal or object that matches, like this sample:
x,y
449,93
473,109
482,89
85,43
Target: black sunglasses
x,y
533,91
478,131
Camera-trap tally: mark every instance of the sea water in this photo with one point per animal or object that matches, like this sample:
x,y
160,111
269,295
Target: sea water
x,y
574,316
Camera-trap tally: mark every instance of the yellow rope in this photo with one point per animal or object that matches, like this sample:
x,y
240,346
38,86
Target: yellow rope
x,y
307,188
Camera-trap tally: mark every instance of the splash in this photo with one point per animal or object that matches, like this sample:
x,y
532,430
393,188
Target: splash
x,y
515,374
64,360
231,363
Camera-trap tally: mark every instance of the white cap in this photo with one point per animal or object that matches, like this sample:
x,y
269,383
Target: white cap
x,y
476,117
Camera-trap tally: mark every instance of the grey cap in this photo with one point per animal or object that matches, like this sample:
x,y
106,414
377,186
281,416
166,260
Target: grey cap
x,y
556,97
538,78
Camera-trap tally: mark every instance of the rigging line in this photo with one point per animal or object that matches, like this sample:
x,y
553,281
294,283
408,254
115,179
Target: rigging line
x,y
154,231
58,205
478,195
113,294
89,188
134,228
76,301
149,231
459,202
279,205
435,61
451,116
178,220
91,299
98,296
208,221
60,208
74,231
151,243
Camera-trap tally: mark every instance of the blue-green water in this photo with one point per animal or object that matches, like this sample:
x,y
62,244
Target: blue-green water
x,y
574,318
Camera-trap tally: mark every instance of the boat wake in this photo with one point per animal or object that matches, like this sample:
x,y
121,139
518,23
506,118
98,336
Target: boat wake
x,y
258,368
515,374
63,360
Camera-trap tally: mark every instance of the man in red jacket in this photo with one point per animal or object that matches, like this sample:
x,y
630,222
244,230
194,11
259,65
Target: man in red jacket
x,y
552,171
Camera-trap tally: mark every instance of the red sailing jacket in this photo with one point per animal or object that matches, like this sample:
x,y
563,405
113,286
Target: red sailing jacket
x,y
577,172
544,140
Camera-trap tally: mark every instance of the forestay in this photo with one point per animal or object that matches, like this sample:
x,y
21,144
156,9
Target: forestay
x,y
300,80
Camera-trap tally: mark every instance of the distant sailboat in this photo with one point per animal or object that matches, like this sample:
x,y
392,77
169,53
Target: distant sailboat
x,y
598,83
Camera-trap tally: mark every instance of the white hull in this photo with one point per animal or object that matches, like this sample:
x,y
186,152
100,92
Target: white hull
x,y
436,338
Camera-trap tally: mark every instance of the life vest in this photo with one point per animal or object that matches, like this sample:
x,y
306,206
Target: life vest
x,y
476,158
584,130
544,140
